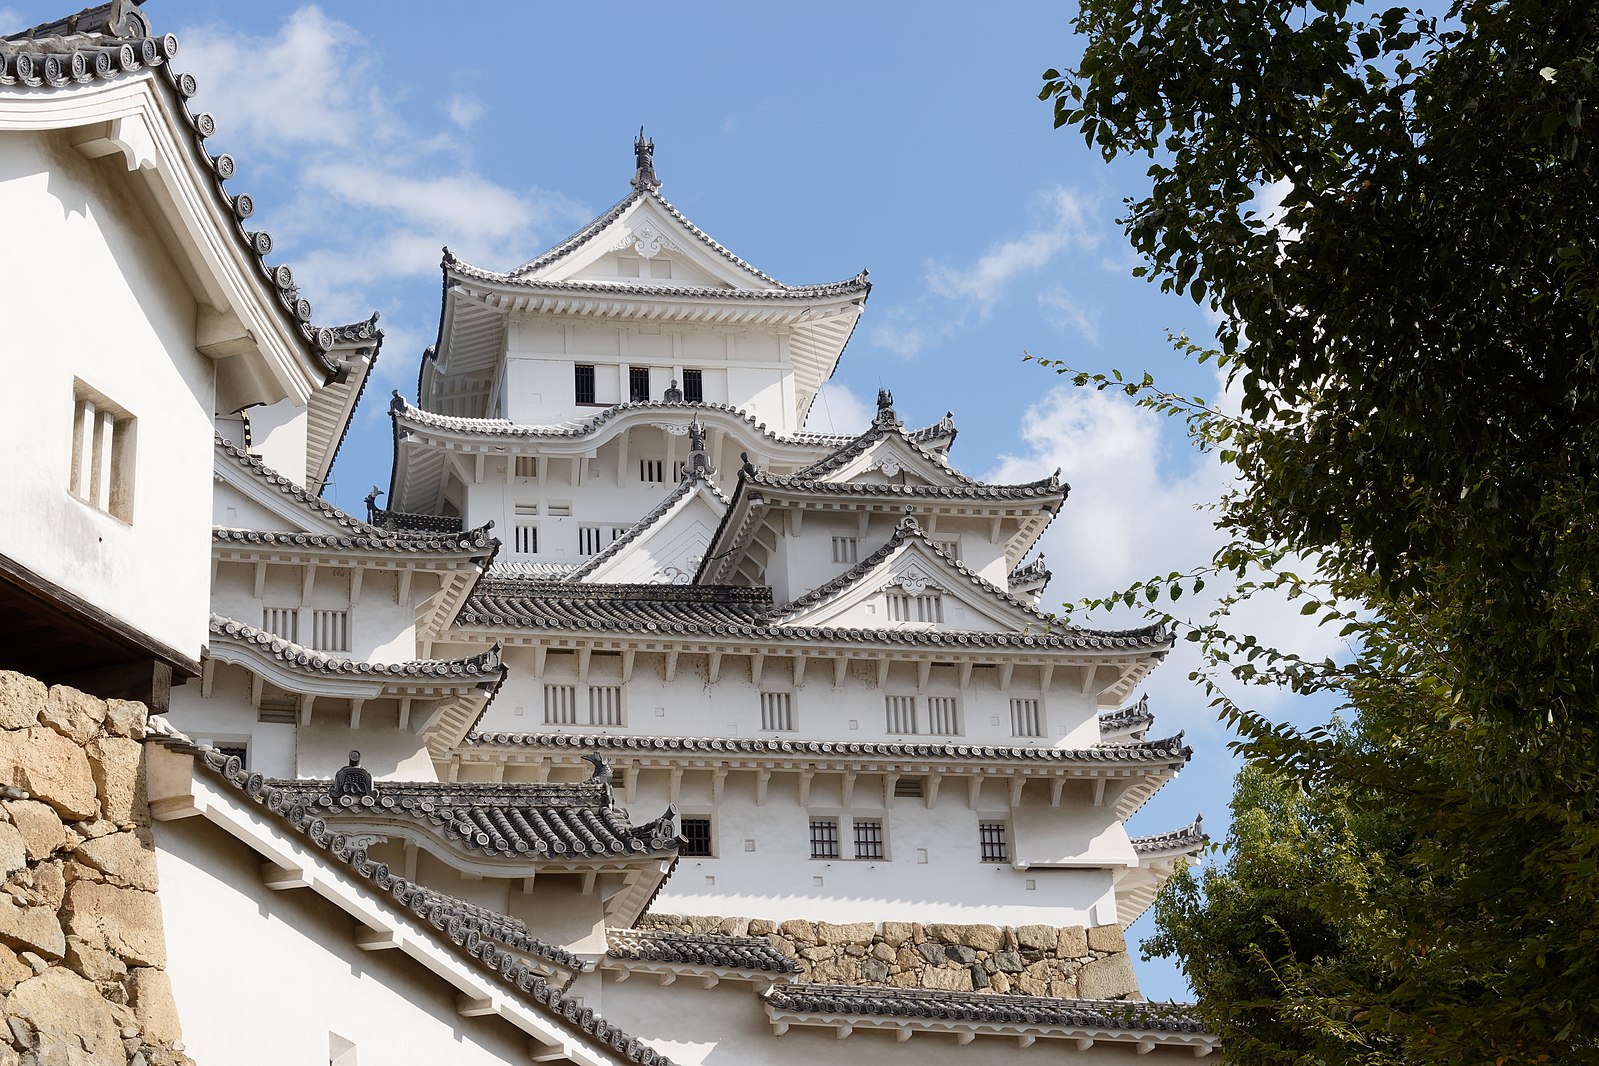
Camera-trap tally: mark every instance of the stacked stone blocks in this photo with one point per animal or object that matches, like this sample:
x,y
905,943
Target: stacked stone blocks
x,y
1069,962
82,951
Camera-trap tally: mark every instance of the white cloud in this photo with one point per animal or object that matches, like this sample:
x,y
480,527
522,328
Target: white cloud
x,y
1131,514
904,341
464,110
11,20
838,410
1063,312
1066,227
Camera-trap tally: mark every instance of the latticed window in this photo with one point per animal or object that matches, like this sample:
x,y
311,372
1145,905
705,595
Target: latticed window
x,y
242,751
868,838
696,837
694,386
583,382
846,550
824,838
903,607
908,788
777,711
102,453
527,466
330,630
525,530
943,715
991,838
651,471
605,705
638,383
901,714
1025,719
282,622
588,540
560,704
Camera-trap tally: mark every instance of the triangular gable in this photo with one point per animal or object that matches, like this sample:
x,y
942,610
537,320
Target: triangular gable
x,y
885,454
646,229
265,499
910,565
667,546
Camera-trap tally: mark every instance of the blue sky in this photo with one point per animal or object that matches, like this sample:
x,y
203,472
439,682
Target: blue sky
x,y
812,139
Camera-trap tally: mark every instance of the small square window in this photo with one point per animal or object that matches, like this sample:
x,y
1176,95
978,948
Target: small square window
x,y
992,839
824,838
868,838
696,837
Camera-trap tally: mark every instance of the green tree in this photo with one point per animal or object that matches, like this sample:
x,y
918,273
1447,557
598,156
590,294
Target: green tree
x,y
1414,342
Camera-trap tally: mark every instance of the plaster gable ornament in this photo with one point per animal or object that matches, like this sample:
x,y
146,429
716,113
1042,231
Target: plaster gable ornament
x,y
676,429
913,581
647,240
890,467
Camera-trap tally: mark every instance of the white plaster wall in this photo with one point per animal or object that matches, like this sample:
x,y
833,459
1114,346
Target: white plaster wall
x,y
232,509
381,629
97,298
277,435
727,1026
691,705
261,978
932,870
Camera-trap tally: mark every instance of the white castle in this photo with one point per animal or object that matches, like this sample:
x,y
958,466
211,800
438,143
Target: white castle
x,y
639,724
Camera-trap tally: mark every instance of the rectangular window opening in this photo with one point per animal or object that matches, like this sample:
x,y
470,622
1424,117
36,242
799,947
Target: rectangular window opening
x,y
527,466
992,840
638,383
846,550
868,838
1025,720
583,382
588,540
651,471
696,837
694,386
605,705
943,715
901,714
777,712
330,630
560,704
824,838
908,788
102,453
282,622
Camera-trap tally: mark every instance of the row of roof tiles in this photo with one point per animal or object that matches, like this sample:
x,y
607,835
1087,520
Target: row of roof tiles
x,y
1170,750
115,40
485,664
699,949
970,1007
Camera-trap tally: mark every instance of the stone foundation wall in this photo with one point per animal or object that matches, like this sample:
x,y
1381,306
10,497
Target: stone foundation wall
x,y
1034,960
82,948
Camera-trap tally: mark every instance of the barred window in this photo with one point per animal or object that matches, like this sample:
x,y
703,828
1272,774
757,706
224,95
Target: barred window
x,y
777,712
943,716
605,705
638,383
901,714
696,837
1025,721
588,540
330,630
583,380
694,386
525,538
824,838
102,453
651,471
903,607
908,788
846,550
527,466
560,704
242,750
992,840
282,622
868,838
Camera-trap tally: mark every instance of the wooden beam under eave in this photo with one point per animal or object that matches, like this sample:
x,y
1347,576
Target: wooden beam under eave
x,y
402,589
714,673
930,789
356,704
256,685
356,573
675,789
840,666
208,673
974,791
282,878
847,789
806,777
757,668
369,939
1088,673
307,702
472,1006
308,583
669,666
762,778
718,779
628,655
924,670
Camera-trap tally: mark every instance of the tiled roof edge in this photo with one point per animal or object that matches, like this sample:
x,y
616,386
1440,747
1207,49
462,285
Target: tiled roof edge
x,y
485,665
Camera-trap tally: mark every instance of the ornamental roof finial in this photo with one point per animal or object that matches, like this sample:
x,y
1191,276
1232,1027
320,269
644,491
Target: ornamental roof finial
x,y
644,163
885,409
352,780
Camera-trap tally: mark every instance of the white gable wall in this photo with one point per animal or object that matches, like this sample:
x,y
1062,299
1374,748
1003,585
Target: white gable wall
x,y
96,298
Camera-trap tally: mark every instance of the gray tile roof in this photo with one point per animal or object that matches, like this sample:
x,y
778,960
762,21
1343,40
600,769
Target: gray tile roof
x,y
692,479
474,542
486,953
1044,488
114,40
485,666
405,522
699,949
886,424
357,333
849,287
1189,839
1128,720
458,917
1169,751
569,821
477,541
981,1008
1033,573
400,407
